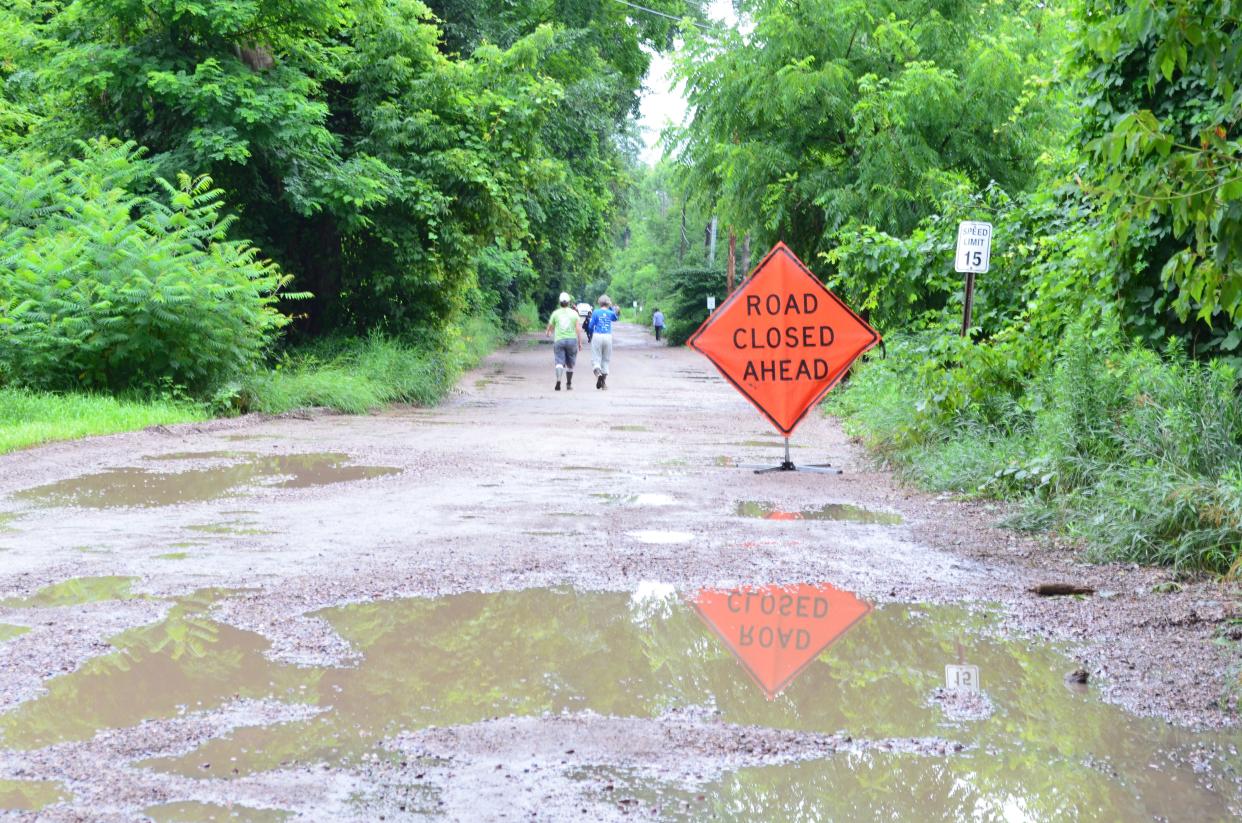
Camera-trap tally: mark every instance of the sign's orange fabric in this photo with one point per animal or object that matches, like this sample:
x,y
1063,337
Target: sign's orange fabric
x,y
783,339
775,631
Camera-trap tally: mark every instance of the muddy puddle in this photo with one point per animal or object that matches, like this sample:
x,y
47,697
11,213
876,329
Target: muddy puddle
x,y
1042,752
30,795
75,592
640,499
844,512
133,486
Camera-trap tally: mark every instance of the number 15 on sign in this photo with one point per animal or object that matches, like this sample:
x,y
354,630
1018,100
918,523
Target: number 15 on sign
x,y
974,247
974,256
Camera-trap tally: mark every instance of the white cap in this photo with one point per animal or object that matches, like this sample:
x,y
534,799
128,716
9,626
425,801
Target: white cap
x,y
565,298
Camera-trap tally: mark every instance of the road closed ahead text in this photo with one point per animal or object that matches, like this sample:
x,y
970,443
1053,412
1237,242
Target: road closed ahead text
x,y
777,329
783,339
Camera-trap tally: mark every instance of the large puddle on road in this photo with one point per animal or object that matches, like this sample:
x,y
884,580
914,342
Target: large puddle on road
x,y
1043,752
140,487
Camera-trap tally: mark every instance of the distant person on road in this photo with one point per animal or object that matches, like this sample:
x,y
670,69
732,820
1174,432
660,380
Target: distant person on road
x,y
584,311
565,329
657,322
601,339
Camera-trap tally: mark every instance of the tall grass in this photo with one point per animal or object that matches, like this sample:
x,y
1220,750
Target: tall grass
x,y
355,375
29,418
1138,454
351,375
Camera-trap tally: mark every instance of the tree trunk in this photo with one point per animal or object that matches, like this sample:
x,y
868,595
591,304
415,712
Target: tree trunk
x,y
711,245
732,266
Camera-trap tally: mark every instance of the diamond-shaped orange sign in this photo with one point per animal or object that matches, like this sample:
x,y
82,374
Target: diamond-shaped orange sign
x,y
783,339
776,631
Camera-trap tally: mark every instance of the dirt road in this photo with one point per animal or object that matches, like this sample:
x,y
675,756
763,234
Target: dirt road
x,y
496,609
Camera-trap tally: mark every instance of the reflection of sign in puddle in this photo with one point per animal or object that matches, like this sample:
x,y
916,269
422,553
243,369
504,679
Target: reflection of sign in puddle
x,y
465,659
141,487
832,511
775,631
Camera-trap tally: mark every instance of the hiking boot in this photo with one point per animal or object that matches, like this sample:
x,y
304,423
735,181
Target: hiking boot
x,y
558,385
599,380
569,381
603,381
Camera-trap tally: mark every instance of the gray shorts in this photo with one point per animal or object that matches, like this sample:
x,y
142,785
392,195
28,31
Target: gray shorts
x,y
566,353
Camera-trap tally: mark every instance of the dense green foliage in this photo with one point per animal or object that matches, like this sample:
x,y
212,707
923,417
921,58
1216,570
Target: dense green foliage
x,y
1101,138
403,166
104,289
830,114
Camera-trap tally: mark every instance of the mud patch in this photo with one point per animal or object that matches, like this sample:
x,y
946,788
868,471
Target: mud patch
x,y
843,512
143,488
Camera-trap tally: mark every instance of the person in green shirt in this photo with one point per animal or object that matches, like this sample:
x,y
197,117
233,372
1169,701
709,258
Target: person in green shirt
x,y
565,329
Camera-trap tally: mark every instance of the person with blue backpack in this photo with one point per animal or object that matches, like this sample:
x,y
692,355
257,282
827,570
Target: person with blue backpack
x,y
601,339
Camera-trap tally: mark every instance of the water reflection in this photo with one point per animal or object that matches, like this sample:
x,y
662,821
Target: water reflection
x,y
776,631
140,487
830,511
30,795
1043,753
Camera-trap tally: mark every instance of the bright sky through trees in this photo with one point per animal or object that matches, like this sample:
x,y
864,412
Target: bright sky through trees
x,y
662,103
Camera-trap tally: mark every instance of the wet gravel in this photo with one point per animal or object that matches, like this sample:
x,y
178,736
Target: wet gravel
x,y
509,486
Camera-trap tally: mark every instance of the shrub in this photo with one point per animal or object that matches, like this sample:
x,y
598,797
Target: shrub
x,y
102,289
1136,453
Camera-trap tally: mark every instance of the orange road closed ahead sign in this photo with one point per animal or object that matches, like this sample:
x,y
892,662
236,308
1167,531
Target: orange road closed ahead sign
x,y
783,339
775,631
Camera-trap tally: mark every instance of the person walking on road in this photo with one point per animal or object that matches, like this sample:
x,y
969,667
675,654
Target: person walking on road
x,y
601,339
565,328
584,311
657,322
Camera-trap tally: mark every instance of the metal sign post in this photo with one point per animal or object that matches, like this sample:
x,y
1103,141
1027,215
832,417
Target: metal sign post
x,y
974,256
787,465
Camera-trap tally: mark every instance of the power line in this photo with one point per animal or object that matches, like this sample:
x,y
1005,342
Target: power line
x,y
665,15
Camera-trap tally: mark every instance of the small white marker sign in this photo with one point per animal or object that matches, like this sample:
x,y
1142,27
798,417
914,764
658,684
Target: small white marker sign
x,y
711,303
965,678
974,247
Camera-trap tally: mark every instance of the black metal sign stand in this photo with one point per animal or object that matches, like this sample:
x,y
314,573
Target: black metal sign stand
x,y
787,465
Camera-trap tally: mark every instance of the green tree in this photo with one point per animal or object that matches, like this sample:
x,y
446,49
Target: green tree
x,y
832,113
1162,118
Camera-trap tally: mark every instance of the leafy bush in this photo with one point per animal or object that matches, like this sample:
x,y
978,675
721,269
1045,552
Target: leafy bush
x,y
690,289
102,289
1136,453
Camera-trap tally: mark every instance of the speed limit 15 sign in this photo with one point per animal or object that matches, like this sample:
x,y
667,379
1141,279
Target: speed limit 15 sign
x,y
974,247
